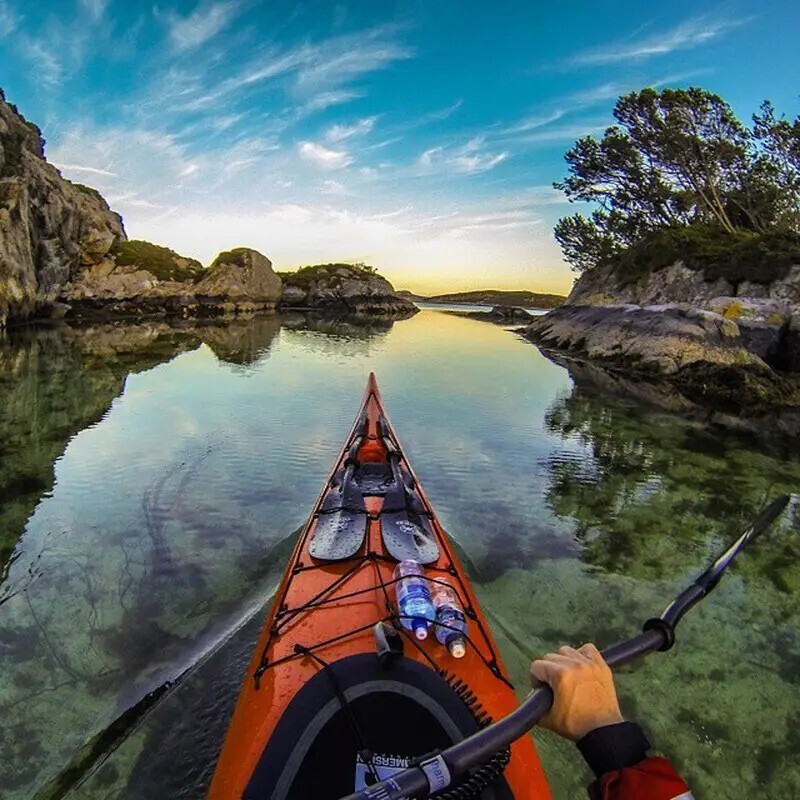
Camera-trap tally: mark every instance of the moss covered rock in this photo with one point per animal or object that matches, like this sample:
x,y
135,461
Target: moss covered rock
x,y
161,262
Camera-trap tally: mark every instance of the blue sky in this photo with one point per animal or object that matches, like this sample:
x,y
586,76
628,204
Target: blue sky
x,y
422,137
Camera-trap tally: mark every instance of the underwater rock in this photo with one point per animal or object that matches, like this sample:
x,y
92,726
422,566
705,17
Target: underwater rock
x,y
500,315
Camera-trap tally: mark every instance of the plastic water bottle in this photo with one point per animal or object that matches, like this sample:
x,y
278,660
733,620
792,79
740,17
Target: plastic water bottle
x,y
414,598
451,625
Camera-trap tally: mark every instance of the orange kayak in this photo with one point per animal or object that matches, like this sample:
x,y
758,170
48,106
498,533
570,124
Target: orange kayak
x,y
339,692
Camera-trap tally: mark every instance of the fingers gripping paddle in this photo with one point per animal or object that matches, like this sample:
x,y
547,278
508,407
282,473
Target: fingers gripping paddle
x,y
439,771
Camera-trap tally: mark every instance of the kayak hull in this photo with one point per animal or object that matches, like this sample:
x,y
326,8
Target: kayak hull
x,y
325,612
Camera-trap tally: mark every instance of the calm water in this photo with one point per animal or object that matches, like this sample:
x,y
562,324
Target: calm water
x,y
156,477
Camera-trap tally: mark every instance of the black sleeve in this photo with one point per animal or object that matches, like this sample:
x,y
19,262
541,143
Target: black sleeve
x,y
614,747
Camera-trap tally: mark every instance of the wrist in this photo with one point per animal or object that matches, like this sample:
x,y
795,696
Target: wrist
x,y
614,747
591,724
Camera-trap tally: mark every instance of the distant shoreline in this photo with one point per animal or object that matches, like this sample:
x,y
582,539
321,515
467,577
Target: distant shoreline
x,y
491,297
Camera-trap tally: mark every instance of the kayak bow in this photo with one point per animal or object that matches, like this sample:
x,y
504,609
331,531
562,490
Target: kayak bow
x,y
339,695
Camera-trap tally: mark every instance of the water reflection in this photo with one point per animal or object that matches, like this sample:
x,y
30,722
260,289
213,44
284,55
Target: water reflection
x,y
645,490
242,342
157,473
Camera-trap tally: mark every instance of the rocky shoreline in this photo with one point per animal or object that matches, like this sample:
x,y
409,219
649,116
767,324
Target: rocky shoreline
x,y
717,347
65,254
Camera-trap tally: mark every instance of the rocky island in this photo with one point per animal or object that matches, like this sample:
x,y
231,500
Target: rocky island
x,y
355,289
65,253
690,262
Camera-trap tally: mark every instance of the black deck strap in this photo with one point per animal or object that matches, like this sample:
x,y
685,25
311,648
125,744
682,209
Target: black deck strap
x,y
614,747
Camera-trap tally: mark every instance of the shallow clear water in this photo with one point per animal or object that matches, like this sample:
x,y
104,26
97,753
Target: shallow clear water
x,y
156,477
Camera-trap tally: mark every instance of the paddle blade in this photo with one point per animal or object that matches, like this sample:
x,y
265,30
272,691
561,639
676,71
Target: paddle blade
x,y
408,537
709,579
338,535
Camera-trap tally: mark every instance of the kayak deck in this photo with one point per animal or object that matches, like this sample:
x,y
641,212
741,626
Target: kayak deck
x,y
326,611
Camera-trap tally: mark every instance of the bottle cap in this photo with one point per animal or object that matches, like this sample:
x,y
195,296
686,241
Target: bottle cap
x,y
420,629
457,648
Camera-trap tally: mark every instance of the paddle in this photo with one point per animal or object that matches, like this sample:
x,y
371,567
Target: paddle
x,y
437,772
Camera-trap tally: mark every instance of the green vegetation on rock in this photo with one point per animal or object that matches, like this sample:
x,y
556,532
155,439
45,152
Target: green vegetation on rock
x,y
165,264
679,177
304,276
236,256
735,256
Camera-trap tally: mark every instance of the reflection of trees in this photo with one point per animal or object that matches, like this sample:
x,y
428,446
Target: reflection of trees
x,y
657,493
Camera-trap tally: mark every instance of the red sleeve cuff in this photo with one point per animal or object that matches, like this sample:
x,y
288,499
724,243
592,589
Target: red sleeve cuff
x,y
653,778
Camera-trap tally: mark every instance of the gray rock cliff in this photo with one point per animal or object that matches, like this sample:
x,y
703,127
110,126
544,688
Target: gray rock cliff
x,y
50,228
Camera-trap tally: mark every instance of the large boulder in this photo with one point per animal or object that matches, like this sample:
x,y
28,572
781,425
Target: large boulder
x,y
241,276
146,279
50,228
347,288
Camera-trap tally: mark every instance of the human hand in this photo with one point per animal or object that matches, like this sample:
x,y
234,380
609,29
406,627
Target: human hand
x,y
583,686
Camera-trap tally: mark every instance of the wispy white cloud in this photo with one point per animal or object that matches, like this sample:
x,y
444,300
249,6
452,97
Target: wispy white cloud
x,y
610,90
49,69
685,36
534,121
442,113
562,133
470,158
325,100
315,75
344,59
8,20
324,157
87,170
95,8
201,25
384,143
336,188
339,133
131,200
